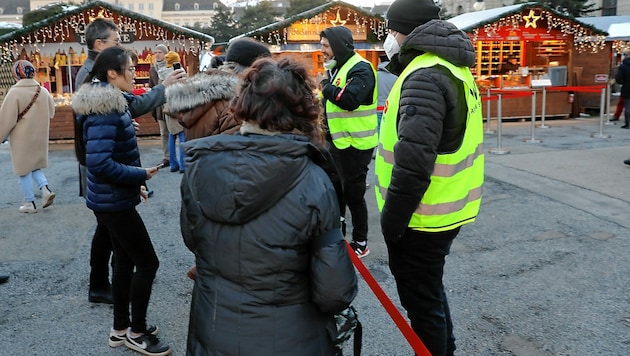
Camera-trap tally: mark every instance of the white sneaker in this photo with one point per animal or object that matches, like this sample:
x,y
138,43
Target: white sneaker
x,y
28,207
47,197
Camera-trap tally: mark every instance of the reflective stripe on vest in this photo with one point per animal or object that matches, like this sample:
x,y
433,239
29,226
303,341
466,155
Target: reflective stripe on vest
x,y
454,194
357,128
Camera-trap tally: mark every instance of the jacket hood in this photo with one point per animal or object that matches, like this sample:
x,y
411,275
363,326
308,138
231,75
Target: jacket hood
x,y
441,38
341,43
236,178
200,89
99,99
626,61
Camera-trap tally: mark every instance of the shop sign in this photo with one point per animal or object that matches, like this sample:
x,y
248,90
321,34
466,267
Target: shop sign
x,y
601,78
307,32
520,34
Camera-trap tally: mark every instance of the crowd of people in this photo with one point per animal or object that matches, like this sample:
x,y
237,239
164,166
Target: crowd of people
x,y
271,264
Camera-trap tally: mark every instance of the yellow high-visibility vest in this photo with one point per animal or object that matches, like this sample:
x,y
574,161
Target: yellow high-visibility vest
x,y
357,128
454,194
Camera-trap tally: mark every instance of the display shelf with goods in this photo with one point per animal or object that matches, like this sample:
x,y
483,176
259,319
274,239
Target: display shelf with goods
x,y
490,55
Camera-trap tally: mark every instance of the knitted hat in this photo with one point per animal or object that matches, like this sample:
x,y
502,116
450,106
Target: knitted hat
x,y
23,69
162,48
245,51
405,15
170,58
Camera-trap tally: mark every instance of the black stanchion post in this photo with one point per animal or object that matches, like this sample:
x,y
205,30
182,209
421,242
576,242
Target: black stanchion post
x,y
499,150
600,134
533,139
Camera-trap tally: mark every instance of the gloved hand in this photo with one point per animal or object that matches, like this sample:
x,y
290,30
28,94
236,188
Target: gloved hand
x,y
392,227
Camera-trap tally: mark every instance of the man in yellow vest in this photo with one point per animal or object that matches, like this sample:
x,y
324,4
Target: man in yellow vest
x,y
349,96
429,163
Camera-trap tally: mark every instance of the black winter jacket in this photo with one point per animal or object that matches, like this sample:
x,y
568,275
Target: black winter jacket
x,y
431,118
623,77
272,268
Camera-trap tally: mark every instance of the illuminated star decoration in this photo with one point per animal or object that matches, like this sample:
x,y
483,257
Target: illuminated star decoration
x,y
338,21
530,20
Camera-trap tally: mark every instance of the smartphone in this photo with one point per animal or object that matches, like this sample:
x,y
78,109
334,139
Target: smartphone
x,y
177,65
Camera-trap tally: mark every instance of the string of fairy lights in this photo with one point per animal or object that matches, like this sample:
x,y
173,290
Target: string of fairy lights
x,y
621,46
319,22
584,39
65,29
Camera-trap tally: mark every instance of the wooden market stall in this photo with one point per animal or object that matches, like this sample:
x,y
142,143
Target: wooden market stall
x,y
298,35
552,50
56,46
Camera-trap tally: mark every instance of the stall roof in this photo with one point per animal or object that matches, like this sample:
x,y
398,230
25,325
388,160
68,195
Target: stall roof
x,y
72,10
305,15
469,21
618,27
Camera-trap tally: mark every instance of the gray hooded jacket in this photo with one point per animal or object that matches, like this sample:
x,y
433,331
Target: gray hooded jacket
x,y
272,267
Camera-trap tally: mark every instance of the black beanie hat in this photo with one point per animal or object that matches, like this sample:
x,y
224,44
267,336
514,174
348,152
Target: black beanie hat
x,y
245,51
405,15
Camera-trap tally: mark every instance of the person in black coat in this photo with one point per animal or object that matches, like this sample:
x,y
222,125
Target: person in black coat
x,y
272,264
623,77
510,65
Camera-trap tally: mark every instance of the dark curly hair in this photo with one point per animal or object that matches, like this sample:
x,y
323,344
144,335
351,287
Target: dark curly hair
x,y
279,96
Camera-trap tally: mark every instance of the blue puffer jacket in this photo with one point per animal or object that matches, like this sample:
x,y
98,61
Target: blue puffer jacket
x,y
112,156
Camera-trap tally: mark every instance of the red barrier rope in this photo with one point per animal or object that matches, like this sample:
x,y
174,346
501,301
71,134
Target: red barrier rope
x,y
513,93
582,89
394,313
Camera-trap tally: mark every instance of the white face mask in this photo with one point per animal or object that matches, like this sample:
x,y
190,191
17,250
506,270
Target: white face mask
x,y
330,64
391,46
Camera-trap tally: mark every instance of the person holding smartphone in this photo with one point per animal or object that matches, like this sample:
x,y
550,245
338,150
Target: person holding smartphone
x,y
175,129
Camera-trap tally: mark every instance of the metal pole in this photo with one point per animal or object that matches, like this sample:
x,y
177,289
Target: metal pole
x,y
488,130
608,94
533,139
544,109
499,150
601,117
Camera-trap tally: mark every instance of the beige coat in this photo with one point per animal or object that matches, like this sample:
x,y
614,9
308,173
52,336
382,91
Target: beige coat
x,y
29,137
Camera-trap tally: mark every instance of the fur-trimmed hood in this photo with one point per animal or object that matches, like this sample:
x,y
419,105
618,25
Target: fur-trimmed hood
x,y
200,89
98,98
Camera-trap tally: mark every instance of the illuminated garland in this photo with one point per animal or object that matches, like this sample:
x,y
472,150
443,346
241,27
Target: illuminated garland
x,y
621,46
326,15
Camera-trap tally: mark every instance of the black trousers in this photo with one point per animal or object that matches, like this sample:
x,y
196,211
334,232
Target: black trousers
x,y
417,264
133,249
100,254
352,166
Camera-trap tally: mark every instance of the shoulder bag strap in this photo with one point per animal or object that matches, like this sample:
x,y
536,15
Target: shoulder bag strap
x,y
27,108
